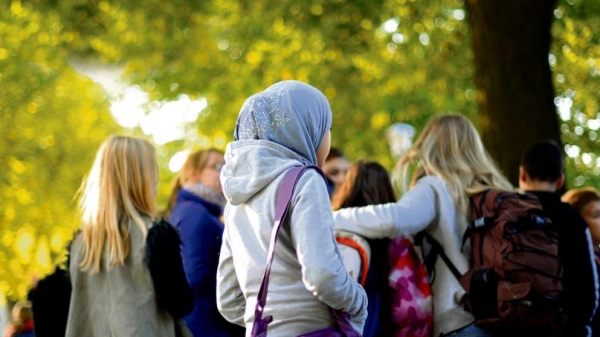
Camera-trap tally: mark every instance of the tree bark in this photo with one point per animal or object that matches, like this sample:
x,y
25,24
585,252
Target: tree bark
x,y
511,42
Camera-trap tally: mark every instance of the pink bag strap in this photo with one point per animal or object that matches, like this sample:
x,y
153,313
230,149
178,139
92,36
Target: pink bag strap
x,y
284,198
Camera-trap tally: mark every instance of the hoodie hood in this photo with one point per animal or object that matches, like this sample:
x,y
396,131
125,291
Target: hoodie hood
x,y
293,114
251,165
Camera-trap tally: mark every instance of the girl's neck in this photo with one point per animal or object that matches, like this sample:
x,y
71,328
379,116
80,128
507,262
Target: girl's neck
x,y
206,193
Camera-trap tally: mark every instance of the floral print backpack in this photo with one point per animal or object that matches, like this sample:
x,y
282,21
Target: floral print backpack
x,y
412,304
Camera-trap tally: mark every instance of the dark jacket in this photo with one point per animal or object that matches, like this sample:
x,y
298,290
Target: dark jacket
x,y
201,233
378,323
28,332
50,304
575,250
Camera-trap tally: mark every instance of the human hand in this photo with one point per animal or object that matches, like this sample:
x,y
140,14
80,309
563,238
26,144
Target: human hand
x,y
9,331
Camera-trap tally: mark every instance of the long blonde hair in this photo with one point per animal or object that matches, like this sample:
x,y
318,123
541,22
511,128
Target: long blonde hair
x,y
449,147
196,161
120,187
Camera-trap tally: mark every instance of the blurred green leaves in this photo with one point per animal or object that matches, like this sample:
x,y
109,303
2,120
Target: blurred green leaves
x,y
53,120
575,61
378,62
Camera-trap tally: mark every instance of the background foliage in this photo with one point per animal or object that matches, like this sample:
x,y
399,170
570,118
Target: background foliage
x,y
379,62
53,120
575,61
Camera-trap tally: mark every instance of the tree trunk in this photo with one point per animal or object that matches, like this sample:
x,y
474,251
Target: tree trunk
x,y
511,42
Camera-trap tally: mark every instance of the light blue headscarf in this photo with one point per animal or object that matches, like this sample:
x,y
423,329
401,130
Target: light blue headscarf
x,y
290,113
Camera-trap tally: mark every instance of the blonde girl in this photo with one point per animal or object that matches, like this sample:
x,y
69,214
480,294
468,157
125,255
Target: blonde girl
x,y
113,292
449,164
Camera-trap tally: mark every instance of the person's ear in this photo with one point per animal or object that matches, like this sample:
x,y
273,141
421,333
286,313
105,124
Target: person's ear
x,y
560,181
193,175
523,176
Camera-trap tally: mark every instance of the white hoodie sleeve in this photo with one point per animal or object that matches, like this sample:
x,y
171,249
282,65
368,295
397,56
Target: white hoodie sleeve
x,y
410,215
230,299
323,272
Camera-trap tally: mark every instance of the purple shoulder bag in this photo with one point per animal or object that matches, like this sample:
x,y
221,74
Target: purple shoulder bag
x,y
343,327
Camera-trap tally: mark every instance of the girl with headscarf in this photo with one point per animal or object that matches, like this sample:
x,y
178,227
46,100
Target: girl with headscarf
x,y
285,126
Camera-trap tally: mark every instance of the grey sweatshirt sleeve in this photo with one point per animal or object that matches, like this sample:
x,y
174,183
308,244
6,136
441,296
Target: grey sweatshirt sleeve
x,y
230,299
323,272
410,215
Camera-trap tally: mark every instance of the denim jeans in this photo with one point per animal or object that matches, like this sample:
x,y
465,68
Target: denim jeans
x,y
470,331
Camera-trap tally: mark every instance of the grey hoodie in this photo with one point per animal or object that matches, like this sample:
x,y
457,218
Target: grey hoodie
x,y
307,276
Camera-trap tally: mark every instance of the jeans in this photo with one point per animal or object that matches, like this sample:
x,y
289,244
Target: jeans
x,y
470,331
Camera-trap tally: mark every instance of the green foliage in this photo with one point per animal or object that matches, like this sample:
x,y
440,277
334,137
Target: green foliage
x,y
575,58
228,50
53,120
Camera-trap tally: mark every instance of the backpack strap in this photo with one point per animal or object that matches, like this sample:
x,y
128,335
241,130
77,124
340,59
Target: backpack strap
x,y
482,198
476,224
284,197
436,250
361,246
477,215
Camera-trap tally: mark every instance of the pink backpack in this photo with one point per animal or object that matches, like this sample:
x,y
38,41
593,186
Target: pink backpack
x,y
412,304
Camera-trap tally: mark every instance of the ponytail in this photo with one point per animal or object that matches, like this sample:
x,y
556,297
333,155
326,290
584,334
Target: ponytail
x,y
172,198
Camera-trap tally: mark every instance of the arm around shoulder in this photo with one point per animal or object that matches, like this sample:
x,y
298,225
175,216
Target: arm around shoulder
x,y
410,215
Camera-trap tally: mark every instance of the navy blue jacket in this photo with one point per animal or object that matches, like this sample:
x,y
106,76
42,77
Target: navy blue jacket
x,y
378,323
201,234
